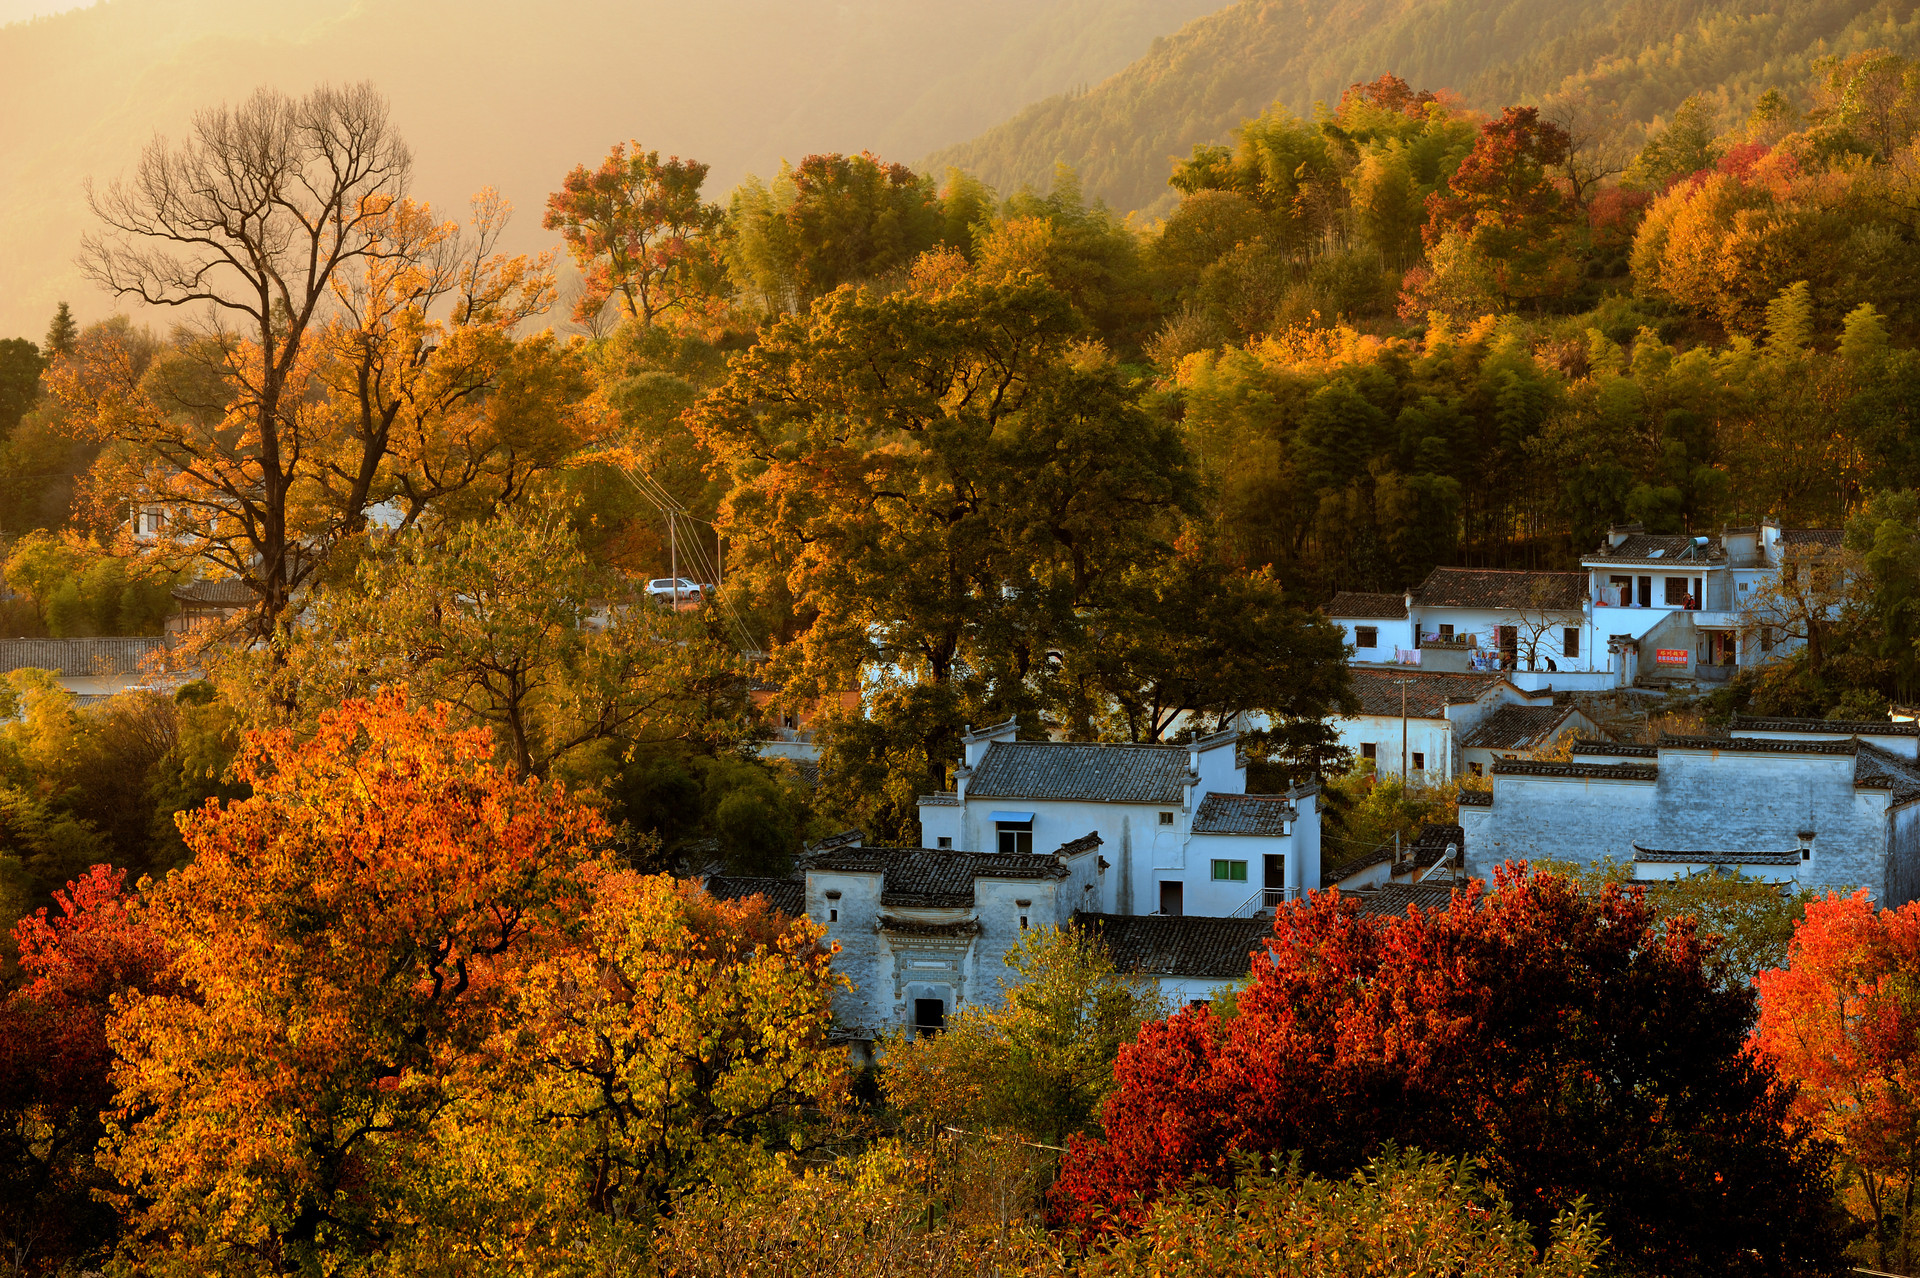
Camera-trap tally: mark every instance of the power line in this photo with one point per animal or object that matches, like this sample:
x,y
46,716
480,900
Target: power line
x,y
703,564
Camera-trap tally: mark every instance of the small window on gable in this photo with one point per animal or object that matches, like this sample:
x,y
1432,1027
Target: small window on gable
x,y
944,841
1015,836
1366,636
1166,818
1229,871
833,916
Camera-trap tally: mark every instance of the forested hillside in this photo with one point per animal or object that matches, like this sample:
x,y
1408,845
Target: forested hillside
x,y
1640,58
501,93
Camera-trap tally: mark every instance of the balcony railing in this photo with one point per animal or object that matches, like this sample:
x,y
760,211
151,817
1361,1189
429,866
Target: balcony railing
x,y
1265,900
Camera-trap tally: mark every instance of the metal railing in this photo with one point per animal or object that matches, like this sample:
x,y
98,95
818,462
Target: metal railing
x,y
1264,900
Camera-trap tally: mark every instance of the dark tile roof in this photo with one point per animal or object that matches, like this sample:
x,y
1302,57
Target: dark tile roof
x,y
1391,899
1668,856
1517,727
1185,945
1813,538
1618,749
1081,770
1428,693
1476,798
1333,874
1261,814
945,799
1503,588
1878,769
1368,606
1643,548
1597,771
789,896
915,927
1827,727
930,877
222,592
1753,745
1430,845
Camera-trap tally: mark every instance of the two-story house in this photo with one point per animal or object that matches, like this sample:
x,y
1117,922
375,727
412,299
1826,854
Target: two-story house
x,y
1535,626
1432,725
1175,821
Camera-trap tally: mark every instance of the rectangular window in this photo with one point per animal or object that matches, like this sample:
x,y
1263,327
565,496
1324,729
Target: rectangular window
x,y
1474,768
1229,871
1366,636
1446,633
1367,749
833,916
1766,638
1166,818
1419,761
945,842
1015,836
1676,591
1570,641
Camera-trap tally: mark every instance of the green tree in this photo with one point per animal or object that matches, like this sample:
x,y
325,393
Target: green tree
x,y
1683,146
62,333
20,365
1039,1062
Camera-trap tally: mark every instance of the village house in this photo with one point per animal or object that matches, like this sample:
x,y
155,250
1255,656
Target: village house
x,y
1819,804
1643,606
1179,830
1433,726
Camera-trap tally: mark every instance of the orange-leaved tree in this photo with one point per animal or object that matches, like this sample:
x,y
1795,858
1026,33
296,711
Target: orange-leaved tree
x,y
673,1050
348,940
1842,1019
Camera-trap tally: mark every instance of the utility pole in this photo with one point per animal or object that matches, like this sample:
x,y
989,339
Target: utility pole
x,y
673,557
1404,779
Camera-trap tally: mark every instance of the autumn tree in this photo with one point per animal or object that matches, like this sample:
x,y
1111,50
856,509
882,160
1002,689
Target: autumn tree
x,y
346,938
1502,203
1037,1063
54,1068
1576,1043
936,487
511,623
831,220
252,219
1405,1213
638,230
1839,1019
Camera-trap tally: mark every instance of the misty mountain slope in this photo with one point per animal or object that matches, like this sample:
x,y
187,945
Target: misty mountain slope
x,y
1195,86
512,94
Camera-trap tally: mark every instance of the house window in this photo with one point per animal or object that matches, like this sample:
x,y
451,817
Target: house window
x,y
833,916
1419,761
1446,634
929,1016
1766,638
1015,836
945,842
1366,636
1023,922
1676,591
1570,640
1367,749
1474,768
1229,871
1166,818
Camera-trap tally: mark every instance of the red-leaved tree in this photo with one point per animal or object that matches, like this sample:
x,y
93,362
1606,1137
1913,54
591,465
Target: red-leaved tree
x,y
1504,202
638,229
1842,1020
54,1067
1570,1039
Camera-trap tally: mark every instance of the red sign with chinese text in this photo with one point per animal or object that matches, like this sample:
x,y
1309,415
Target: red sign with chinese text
x,y
1670,656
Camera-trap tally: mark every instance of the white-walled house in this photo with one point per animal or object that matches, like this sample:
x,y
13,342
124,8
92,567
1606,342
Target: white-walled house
x,y
1485,619
1513,730
1175,821
1427,716
1821,804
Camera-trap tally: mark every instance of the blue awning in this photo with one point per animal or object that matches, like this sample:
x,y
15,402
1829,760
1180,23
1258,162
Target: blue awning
x,y
1013,816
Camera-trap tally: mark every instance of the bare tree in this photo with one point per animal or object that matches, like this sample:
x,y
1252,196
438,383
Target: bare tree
x,y
1596,140
254,216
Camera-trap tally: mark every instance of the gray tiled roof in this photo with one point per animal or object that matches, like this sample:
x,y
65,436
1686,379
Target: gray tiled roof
x,y
1596,771
1476,798
1260,814
1813,538
1182,945
217,592
945,799
1640,548
1517,727
1878,769
1826,727
1670,856
789,896
1081,770
1368,606
1617,749
1431,844
1391,899
1429,693
1506,589
930,877
1752,745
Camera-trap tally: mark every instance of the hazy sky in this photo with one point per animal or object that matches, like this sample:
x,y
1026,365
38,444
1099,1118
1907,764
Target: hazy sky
x,y
21,10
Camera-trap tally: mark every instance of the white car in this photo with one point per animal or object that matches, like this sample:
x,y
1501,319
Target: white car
x,y
674,591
